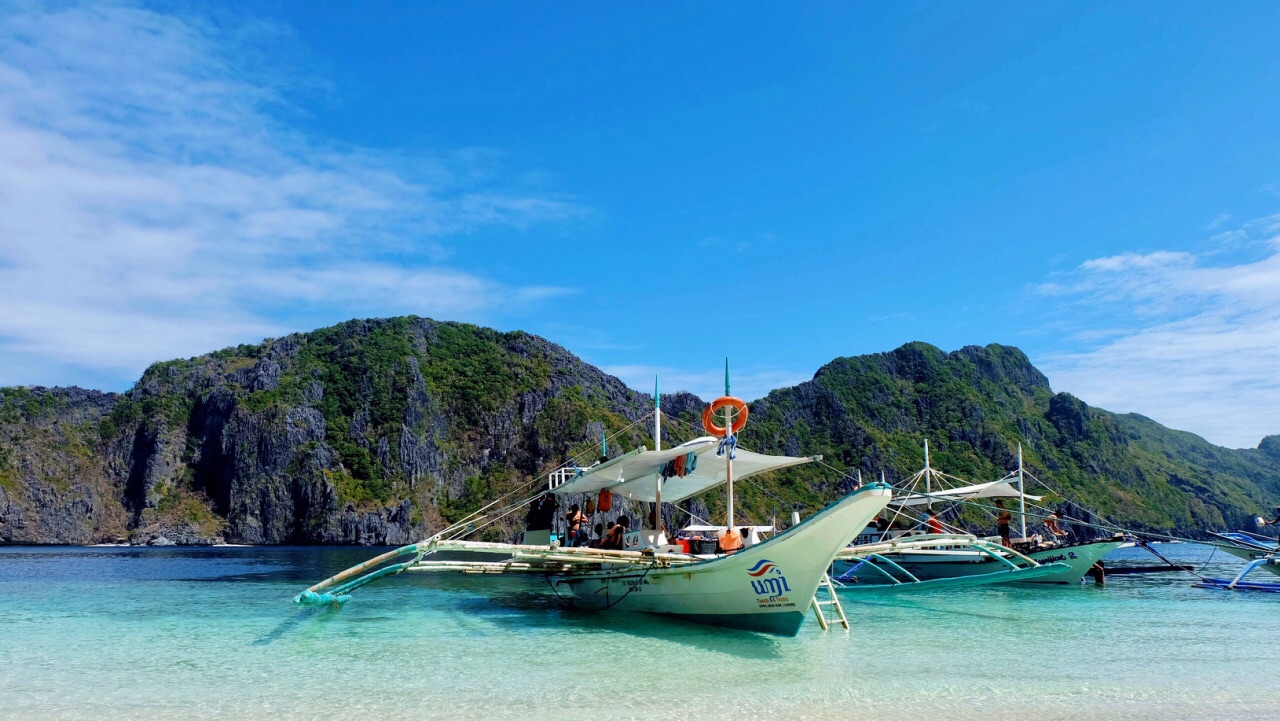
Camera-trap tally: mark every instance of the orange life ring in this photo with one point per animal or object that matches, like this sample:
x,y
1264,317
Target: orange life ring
x,y
709,416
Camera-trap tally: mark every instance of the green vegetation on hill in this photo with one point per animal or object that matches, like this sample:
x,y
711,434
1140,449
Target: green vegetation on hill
x,y
377,431
974,406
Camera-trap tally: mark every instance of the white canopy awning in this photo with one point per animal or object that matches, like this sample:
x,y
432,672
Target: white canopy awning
x,y
635,475
993,489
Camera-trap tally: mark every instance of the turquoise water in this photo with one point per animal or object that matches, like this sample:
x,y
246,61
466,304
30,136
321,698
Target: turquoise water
x,y
109,633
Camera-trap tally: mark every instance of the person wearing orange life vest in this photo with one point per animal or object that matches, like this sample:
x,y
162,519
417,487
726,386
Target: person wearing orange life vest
x,y
933,524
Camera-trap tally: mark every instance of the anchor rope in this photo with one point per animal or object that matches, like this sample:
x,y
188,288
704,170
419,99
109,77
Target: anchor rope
x,y
1147,547
608,604
536,480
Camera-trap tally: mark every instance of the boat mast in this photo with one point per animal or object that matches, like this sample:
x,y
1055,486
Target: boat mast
x,y
657,416
1022,494
728,453
657,446
928,476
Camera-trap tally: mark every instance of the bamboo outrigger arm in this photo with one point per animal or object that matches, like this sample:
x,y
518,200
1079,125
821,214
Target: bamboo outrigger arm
x,y
332,590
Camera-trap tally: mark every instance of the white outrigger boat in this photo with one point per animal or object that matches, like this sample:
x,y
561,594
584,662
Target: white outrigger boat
x,y
1250,547
1261,552
767,586
909,559
912,562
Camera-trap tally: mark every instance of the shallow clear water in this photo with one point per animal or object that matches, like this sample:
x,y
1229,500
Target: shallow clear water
x,y
110,633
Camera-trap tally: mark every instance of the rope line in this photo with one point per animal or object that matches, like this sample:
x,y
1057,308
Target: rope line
x,y
608,604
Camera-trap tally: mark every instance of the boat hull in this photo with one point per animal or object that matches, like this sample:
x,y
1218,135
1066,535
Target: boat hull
x,y
930,566
1080,558
1005,575
767,587
1252,555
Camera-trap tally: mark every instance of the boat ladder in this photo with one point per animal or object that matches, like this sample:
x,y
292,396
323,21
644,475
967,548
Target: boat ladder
x,y
833,600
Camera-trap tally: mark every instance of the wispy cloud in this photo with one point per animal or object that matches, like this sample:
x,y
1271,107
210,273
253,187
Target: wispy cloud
x,y
749,385
1217,221
153,204
1203,340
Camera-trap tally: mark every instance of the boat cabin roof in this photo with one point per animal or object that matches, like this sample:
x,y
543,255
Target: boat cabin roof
x,y
992,489
636,475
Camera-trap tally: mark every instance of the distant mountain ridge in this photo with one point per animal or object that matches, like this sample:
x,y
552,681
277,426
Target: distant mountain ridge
x,y
380,431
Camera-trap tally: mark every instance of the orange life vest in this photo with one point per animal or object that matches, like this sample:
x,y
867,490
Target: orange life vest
x,y
730,540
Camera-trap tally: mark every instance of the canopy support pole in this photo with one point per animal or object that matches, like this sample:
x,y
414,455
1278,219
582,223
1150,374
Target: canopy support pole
x,y
728,452
928,475
657,446
1022,494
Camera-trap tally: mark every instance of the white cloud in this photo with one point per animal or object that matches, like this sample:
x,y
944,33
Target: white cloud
x,y
1203,347
748,385
152,205
1217,221
1132,261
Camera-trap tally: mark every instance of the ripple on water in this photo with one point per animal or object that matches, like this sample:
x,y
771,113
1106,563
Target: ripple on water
x,y
195,633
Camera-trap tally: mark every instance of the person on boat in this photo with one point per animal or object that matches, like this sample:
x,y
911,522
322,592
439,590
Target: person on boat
x,y
730,541
613,537
933,524
1051,523
598,536
653,522
575,526
1273,522
882,524
541,513
624,527
1003,519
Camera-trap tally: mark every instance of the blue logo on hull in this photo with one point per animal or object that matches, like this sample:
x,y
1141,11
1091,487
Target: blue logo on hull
x,y
768,583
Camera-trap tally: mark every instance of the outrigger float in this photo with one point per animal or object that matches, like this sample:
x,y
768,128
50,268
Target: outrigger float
x,y
767,586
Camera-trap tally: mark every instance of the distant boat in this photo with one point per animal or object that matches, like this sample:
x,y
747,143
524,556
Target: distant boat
x,y
935,560
932,557
935,557
1261,553
1248,546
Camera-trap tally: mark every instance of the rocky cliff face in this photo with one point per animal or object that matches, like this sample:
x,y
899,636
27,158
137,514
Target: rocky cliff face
x,y
380,431
371,432
55,477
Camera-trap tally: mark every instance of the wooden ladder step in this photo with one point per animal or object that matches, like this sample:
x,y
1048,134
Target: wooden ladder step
x,y
832,600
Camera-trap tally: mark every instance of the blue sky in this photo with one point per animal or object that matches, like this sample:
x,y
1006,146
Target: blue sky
x,y
657,186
